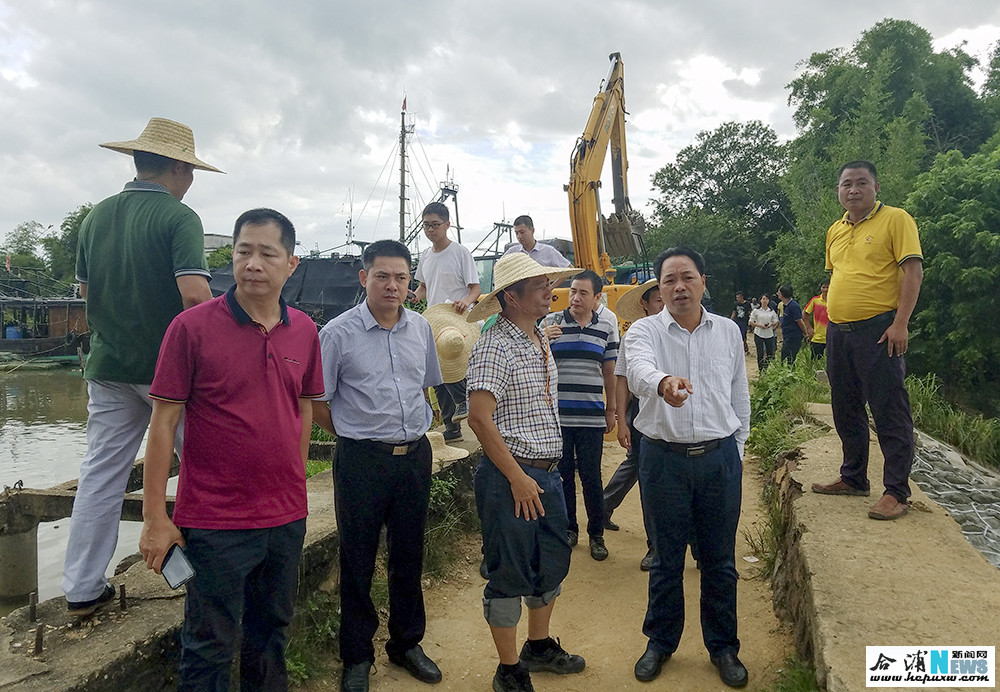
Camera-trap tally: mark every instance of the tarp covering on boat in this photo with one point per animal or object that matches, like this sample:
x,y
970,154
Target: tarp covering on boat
x,y
322,287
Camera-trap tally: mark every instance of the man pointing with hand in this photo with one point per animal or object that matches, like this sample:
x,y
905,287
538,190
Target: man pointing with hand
x,y
687,367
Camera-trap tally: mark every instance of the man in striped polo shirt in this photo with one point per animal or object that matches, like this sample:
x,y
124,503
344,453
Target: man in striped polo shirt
x,y
585,347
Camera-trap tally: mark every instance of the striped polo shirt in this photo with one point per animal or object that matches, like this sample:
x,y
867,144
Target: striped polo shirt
x,y
580,354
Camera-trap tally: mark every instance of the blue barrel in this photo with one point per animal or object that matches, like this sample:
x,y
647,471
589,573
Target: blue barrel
x,y
13,332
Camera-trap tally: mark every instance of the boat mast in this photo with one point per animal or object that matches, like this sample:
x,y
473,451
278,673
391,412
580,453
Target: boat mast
x,y
402,172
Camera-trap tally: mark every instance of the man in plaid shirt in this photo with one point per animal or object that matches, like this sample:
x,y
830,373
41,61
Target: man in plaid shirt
x,y
513,409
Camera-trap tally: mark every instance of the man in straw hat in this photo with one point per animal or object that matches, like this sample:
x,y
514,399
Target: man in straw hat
x,y
447,273
636,303
378,361
688,368
140,262
514,411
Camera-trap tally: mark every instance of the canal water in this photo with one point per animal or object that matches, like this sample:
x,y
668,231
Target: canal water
x,y
43,438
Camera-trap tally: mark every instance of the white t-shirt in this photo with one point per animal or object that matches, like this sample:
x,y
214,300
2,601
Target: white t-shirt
x,y
447,274
762,316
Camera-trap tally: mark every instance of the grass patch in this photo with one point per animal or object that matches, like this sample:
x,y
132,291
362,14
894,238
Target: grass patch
x,y
313,467
320,435
795,676
779,423
974,435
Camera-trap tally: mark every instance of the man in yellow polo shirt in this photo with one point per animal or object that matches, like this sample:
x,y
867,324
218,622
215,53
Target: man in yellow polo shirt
x,y
874,255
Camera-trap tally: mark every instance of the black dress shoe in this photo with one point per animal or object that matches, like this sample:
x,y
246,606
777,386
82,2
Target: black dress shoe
x,y
417,664
731,671
649,664
610,525
355,677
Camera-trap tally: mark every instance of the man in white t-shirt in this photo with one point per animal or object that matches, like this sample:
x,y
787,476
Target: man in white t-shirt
x,y
545,255
446,273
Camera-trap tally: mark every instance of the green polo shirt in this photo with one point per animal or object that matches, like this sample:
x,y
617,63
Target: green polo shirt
x,y
133,246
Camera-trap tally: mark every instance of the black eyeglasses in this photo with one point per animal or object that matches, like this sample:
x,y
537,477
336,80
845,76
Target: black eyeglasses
x,y
436,225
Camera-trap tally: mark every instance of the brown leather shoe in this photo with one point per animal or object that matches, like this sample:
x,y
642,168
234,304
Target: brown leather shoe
x,y
888,508
838,487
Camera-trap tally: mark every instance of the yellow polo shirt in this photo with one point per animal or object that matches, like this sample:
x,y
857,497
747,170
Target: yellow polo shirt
x,y
864,258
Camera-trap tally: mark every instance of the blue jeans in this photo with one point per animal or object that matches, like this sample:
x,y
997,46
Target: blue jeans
x,y
245,581
679,493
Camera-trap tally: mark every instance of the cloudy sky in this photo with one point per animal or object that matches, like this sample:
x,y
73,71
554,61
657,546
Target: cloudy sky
x,y
299,101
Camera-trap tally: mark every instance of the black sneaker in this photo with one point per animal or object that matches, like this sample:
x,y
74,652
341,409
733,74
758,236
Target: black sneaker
x,y
461,412
454,435
518,681
85,608
573,537
610,525
555,659
598,550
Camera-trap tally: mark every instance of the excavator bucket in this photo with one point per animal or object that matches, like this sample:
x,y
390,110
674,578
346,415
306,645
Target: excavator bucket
x,y
622,237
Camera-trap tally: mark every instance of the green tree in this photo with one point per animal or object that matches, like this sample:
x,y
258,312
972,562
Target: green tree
x,y
899,56
220,257
60,247
24,239
723,196
955,333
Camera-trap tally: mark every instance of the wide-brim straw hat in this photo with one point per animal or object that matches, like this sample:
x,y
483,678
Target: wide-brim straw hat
x,y
166,138
507,271
453,337
629,306
440,451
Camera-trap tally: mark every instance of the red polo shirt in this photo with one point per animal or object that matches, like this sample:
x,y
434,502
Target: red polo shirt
x,y
241,464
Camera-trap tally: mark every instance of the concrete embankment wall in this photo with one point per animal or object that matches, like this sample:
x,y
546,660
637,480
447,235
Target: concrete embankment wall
x,y
138,649
846,581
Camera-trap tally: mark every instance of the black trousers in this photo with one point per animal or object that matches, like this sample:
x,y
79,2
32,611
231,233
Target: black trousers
x,y
704,494
860,370
765,350
372,489
582,451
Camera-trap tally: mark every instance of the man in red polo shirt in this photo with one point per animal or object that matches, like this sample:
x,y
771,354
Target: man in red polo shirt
x,y
243,368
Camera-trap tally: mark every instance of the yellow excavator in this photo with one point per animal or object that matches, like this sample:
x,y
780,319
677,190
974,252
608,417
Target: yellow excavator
x,y
596,238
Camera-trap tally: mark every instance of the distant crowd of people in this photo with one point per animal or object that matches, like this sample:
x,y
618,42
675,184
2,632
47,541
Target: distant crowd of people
x,y
233,384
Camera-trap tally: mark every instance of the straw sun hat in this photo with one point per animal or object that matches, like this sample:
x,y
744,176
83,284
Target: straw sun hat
x,y
507,271
166,138
440,451
453,337
629,308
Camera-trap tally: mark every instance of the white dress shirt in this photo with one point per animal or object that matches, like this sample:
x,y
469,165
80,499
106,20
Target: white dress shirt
x,y
711,358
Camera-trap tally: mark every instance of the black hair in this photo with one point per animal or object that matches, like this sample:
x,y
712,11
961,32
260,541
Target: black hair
x,y
438,208
785,290
593,277
680,250
261,216
524,220
384,248
860,163
150,164
740,293
645,296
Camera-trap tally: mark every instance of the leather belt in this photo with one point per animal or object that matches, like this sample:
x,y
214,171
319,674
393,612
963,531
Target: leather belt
x,y
864,324
547,465
687,449
396,449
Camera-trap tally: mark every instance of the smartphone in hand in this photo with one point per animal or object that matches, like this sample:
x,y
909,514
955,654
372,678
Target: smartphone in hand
x,y
176,569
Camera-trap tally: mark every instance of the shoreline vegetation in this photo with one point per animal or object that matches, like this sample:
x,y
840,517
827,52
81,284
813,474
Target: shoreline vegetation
x,y
779,423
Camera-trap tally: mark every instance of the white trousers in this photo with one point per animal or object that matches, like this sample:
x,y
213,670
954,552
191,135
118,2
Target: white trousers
x,y
117,419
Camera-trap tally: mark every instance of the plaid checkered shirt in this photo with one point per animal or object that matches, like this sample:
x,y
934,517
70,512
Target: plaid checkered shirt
x,y
524,383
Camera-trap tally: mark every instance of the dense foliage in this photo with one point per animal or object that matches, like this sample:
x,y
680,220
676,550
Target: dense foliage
x,y
759,209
